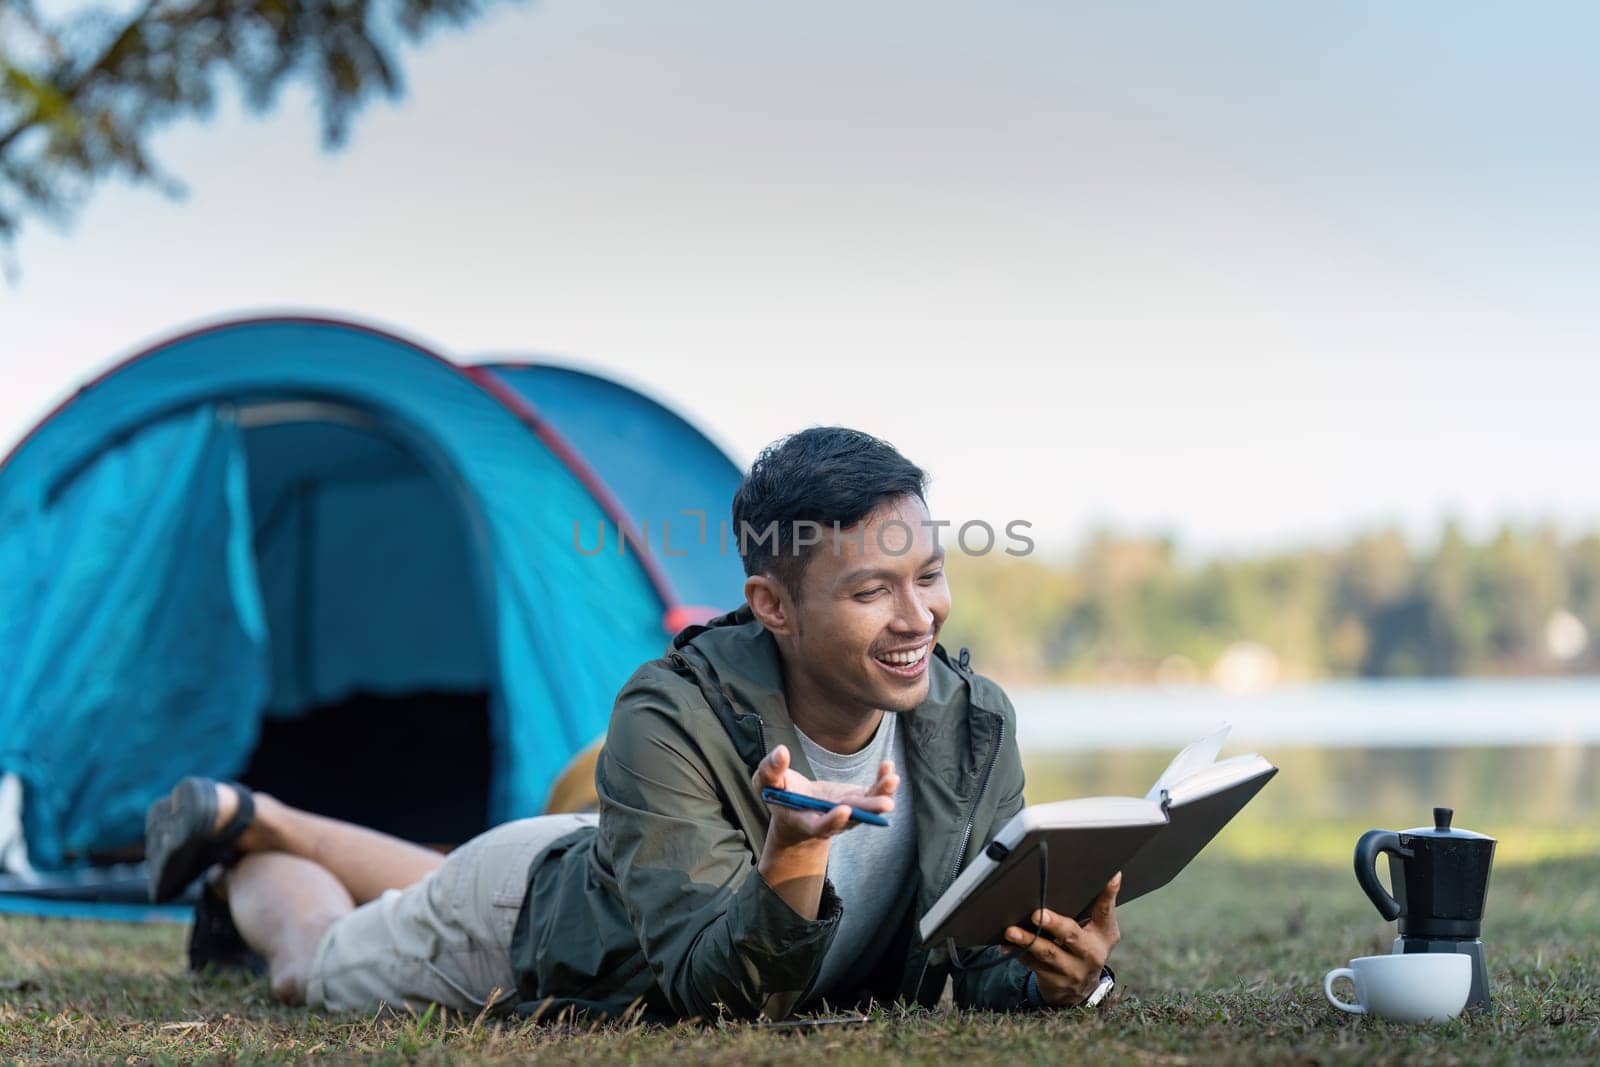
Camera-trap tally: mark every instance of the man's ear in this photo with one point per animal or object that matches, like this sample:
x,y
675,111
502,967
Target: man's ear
x,y
769,603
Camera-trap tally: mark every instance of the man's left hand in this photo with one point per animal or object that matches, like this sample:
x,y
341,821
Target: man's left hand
x,y
1068,955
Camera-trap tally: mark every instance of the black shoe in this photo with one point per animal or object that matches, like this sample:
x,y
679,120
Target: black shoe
x,y
179,845
215,942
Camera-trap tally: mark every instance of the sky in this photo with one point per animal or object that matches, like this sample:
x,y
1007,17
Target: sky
x,y
1249,274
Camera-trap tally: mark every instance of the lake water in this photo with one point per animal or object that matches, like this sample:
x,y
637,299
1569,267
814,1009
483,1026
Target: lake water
x,y
1508,754
1421,713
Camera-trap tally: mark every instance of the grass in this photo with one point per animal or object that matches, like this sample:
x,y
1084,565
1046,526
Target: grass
x,y
1223,966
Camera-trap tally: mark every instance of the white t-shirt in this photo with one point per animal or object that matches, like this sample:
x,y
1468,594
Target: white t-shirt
x,y
870,866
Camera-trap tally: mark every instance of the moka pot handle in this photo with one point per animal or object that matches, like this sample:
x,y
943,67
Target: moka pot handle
x,y
1373,842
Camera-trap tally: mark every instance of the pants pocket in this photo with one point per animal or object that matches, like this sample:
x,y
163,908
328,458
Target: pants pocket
x,y
513,887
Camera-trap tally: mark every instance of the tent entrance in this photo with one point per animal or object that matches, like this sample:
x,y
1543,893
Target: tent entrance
x,y
373,574
415,765
292,592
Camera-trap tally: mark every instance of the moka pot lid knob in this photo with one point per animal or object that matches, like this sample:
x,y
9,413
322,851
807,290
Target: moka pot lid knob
x,y
1441,828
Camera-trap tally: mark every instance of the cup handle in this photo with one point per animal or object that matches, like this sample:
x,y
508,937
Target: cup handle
x,y
1327,990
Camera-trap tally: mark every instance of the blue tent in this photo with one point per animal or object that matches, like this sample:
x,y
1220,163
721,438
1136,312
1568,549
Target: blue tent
x,y
320,557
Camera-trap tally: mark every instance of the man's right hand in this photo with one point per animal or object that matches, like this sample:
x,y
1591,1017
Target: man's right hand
x,y
794,860
794,827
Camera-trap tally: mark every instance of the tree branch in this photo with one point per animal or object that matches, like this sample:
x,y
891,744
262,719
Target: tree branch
x,y
73,89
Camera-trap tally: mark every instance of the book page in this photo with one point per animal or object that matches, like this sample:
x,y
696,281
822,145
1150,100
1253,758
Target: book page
x,y
1195,757
1222,774
1088,811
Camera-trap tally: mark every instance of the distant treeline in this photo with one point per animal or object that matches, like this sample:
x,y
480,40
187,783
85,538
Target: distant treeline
x,y
1524,601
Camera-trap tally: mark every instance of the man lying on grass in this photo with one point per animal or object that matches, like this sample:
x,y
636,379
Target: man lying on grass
x,y
688,893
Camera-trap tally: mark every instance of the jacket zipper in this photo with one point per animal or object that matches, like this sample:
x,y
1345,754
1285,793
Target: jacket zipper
x,y
972,817
966,833
761,726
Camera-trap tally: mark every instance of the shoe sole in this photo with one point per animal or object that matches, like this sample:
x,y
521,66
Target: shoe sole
x,y
177,837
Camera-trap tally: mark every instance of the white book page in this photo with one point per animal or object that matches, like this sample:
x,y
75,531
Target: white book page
x,y
1090,811
1195,757
1221,775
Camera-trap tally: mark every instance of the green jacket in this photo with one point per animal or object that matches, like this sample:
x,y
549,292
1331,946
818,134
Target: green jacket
x,y
663,903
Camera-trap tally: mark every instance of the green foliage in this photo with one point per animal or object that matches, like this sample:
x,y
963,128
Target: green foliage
x,y
1134,609
80,96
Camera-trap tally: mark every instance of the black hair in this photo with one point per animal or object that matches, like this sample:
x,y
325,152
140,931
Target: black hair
x,y
822,475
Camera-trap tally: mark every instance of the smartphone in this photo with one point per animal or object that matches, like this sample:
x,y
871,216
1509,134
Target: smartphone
x,y
800,802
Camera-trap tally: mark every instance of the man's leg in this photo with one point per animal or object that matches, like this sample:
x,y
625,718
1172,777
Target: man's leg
x,y
445,940
282,905
300,874
364,862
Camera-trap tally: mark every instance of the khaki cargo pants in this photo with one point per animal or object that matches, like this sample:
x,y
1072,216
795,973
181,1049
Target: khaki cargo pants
x,y
445,940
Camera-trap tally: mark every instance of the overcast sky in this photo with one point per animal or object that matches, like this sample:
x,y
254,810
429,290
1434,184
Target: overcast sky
x,y
1254,273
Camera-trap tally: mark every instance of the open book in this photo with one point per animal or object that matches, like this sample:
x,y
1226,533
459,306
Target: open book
x,y
1071,848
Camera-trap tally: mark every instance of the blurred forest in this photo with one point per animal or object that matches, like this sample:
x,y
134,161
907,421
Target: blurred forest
x,y
1523,601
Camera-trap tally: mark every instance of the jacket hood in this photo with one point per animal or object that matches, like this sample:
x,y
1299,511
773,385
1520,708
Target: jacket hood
x,y
741,661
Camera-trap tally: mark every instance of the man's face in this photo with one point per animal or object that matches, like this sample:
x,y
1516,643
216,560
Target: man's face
x,y
871,604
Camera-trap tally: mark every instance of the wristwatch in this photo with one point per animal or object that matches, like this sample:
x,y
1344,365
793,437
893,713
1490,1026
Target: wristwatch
x,y
1108,980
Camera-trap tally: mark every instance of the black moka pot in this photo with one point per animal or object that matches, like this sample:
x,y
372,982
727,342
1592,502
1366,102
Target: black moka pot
x,y
1441,879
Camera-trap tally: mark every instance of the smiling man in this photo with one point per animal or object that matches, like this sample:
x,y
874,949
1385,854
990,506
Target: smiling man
x,y
689,894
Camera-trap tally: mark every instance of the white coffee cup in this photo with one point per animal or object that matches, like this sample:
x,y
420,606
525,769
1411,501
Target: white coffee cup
x,y
1414,988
